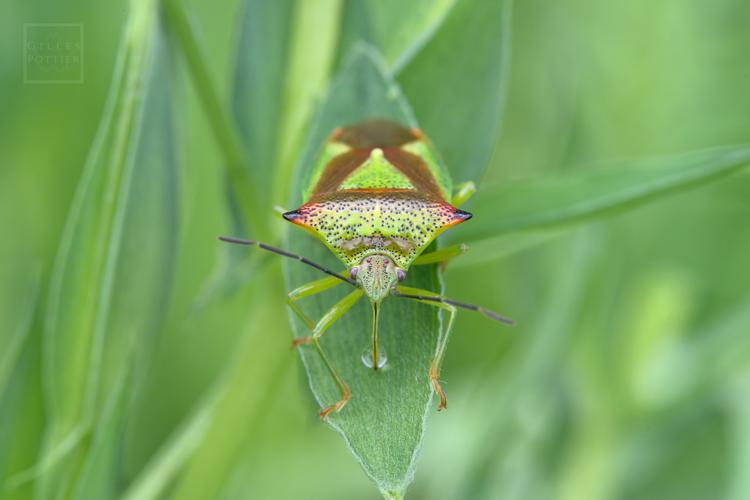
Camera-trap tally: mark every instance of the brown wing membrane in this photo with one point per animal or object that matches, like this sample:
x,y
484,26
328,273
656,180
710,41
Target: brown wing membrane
x,y
363,138
415,169
377,133
339,169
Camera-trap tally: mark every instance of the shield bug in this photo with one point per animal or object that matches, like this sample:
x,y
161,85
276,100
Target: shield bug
x,y
378,196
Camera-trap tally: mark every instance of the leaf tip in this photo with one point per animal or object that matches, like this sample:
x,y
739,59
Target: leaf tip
x,y
393,495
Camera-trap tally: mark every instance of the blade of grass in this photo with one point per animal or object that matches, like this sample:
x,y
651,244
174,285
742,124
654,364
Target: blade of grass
x,y
260,65
554,203
244,394
22,302
314,37
384,422
115,257
239,170
125,361
18,327
99,473
196,459
284,54
288,41
168,461
489,250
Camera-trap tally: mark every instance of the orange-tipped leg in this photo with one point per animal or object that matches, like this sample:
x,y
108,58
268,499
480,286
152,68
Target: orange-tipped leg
x,y
319,328
436,387
301,341
437,361
345,395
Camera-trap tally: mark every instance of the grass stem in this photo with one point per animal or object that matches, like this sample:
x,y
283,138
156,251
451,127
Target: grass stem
x,y
237,161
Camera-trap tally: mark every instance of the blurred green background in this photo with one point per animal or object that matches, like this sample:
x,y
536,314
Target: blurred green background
x,y
627,377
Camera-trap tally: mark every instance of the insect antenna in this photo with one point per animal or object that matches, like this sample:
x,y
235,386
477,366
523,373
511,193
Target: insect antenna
x,y
455,303
279,251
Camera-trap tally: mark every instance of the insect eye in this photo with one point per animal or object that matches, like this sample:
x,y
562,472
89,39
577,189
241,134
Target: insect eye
x,y
400,274
353,272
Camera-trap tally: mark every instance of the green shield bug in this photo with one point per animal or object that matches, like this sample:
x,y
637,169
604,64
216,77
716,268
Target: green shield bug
x,y
378,196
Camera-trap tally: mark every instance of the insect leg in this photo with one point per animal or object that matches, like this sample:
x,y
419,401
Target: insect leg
x,y
442,255
306,290
465,191
437,360
318,329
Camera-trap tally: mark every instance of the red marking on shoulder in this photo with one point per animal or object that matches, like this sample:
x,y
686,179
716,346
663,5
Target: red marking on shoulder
x,y
304,214
297,217
336,134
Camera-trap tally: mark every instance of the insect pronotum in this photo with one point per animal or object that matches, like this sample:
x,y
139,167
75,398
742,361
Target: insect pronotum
x,y
378,196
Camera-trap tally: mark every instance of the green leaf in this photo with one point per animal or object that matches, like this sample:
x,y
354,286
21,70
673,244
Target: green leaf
x,y
113,271
100,471
489,250
457,84
24,295
556,202
384,422
197,458
398,29
158,474
21,297
243,395
451,58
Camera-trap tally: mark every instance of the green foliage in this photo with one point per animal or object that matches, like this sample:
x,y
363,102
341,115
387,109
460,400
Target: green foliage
x,y
544,205
124,374
15,341
464,66
292,43
399,30
115,258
